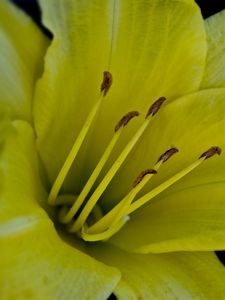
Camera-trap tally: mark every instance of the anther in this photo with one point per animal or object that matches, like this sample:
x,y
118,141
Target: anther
x,y
125,119
142,175
106,83
155,106
166,155
212,151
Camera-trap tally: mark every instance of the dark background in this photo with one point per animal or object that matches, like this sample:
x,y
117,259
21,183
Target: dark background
x,y
208,8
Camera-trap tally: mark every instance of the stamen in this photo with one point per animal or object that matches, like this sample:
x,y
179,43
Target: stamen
x,y
166,155
107,81
107,179
104,235
115,167
155,106
143,179
143,200
66,218
119,211
105,222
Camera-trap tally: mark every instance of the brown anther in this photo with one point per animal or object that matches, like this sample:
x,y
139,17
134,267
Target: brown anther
x,y
166,155
155,107
212,151
106,83
142,175
125,119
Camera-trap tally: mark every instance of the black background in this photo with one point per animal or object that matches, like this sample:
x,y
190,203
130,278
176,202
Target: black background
x,y
208,8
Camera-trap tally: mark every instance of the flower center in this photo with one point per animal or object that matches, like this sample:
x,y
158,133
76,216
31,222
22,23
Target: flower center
x,y
75,211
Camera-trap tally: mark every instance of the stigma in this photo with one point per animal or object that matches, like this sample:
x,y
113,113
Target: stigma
x,y
81,214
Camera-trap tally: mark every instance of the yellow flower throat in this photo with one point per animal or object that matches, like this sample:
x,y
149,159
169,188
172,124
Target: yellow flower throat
x,y
75,211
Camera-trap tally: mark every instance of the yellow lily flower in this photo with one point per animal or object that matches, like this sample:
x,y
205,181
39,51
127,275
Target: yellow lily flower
x,y
92,205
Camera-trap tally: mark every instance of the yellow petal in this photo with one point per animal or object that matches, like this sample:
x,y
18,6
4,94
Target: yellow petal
x,y
22,191
170,276
152,48
35,262
21,59
214,75
190,215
